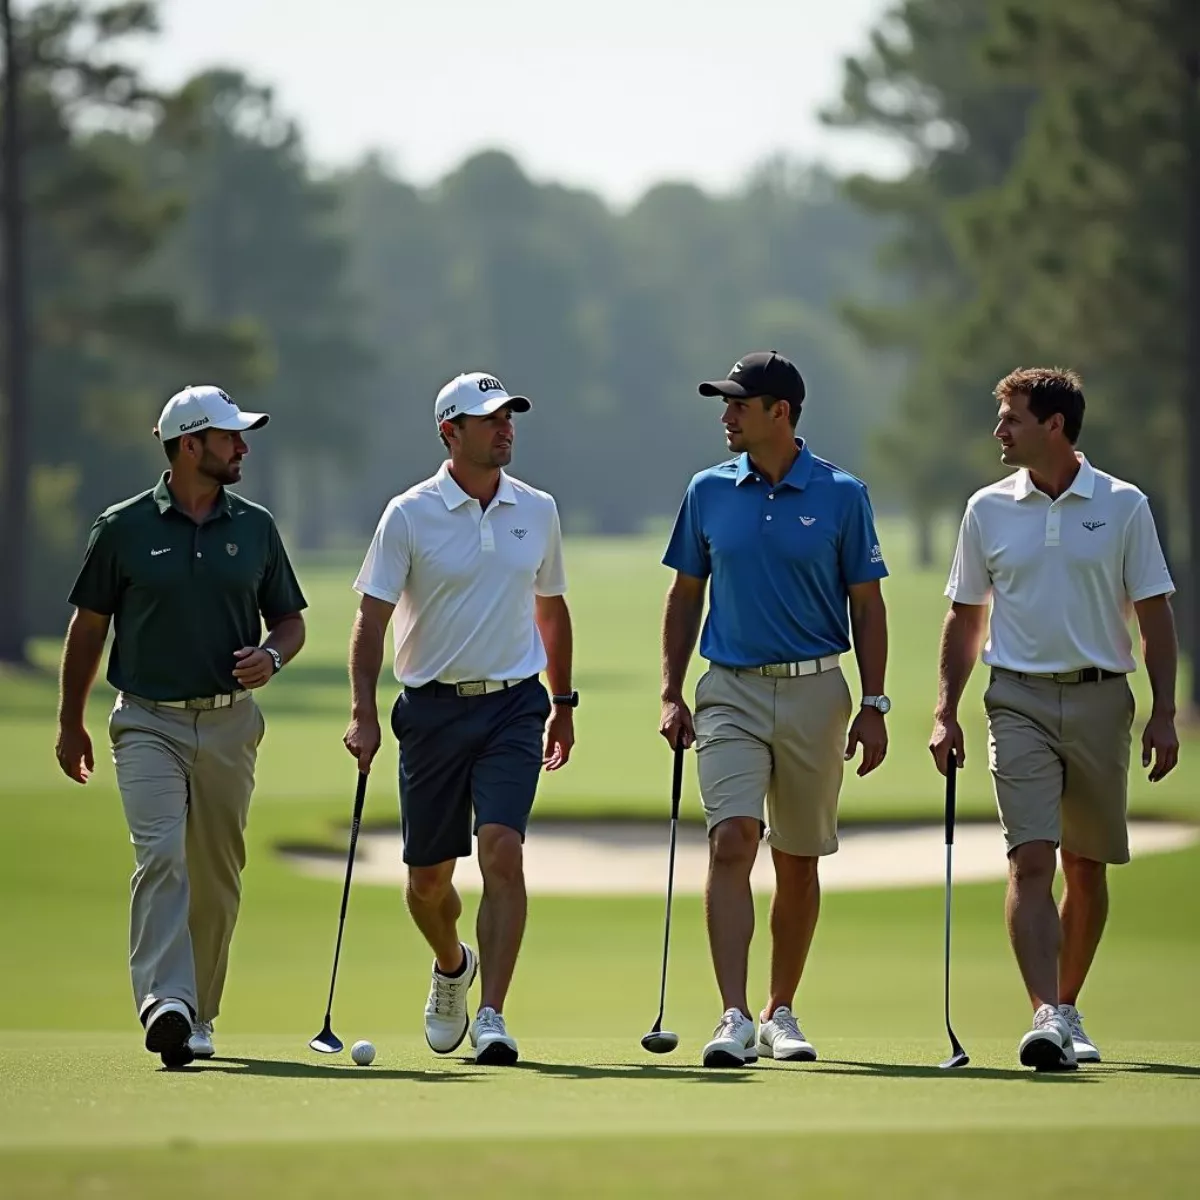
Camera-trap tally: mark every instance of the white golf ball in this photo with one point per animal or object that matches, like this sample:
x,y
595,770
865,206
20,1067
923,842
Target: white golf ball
x,y
363,1053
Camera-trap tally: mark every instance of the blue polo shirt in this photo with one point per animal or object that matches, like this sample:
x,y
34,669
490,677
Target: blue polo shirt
x,y
781,558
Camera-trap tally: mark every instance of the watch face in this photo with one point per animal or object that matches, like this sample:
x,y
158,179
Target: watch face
x,y
883,704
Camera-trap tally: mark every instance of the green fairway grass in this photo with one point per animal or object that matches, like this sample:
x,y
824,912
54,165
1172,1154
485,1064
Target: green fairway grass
x,y
85,1111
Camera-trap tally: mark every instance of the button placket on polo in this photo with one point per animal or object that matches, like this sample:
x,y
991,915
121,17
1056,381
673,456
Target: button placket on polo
x,y
487,536
1054,524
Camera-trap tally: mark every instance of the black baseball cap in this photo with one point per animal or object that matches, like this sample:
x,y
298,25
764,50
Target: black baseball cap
x,y
763,373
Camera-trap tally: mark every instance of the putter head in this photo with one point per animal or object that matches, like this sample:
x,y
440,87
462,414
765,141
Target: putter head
x,y
959,1058
326,1042
660,1041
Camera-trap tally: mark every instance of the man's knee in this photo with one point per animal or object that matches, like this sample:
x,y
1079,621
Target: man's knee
x,y
501,854
1084,873
734,843
163,857
1031,866
429,885
795,872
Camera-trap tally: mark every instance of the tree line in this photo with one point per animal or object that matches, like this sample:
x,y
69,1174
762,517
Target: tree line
x,y
187,237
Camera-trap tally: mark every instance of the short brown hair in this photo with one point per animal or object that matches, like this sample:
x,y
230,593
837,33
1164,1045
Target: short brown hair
x,y
1050,390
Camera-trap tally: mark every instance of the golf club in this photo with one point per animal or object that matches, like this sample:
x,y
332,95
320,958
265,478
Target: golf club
x,y
960,1057
659,1040
327,1042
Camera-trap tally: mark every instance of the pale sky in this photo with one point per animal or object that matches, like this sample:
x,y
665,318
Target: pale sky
x,y
613,96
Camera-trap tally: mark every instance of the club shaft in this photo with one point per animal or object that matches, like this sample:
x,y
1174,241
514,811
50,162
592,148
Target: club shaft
x,y
676,794
359,799
949,872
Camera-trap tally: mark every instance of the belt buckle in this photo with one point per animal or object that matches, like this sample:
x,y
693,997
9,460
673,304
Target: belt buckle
x,y
202,704
475,687
775,670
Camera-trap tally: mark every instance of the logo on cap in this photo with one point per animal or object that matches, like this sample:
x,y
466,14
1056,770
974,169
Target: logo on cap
x,y
490,384
193,424
448,411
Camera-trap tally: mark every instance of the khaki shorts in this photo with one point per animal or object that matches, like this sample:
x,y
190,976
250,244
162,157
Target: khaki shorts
x,y
1059,756
774,744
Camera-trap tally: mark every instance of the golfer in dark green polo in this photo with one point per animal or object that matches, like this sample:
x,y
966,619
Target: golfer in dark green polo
x,y
187,573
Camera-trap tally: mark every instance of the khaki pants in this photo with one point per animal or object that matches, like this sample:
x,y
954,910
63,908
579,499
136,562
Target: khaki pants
x,y
186,779
772,749
1059,756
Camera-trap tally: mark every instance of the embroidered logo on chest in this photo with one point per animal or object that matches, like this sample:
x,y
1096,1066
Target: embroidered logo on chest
x,y
808,520
519,534
1092,526
231,548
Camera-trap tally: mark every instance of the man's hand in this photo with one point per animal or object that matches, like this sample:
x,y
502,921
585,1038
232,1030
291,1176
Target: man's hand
x,y
676,723
1160,742
868,730
363,739
255,667
947,736
73,749
560,737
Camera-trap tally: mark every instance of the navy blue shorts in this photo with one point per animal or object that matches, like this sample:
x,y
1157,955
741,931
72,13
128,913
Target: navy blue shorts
x,y
464,753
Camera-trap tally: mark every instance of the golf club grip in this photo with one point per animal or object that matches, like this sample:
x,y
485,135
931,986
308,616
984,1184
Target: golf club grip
x,y
951,795
677,780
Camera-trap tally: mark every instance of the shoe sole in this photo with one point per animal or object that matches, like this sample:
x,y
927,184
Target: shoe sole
x,y
204,1054
462,1036
1043,1054
728,1058
796,1056
173,1060
169,1034
1087,1056
497,1055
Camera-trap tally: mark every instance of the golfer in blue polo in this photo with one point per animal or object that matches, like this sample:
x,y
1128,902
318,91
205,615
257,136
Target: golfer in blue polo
x,y
467,566
784,544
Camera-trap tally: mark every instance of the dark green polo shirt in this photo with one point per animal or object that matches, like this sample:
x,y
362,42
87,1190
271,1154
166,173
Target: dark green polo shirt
x,y
184,597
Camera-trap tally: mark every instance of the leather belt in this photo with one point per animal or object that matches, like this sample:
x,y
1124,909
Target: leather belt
x,y
199,703
1083,675
793,670
470,687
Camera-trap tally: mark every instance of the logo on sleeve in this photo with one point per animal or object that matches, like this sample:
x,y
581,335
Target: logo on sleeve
x,y
876,554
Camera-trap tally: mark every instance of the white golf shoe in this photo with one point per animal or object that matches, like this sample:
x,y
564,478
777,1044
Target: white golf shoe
x,y
1048,1045
168,1028
201,1041
733,1041
780,1038
1086,1050
494,1046
446,1017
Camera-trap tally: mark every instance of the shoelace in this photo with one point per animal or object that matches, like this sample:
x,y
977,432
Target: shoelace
x,y
1074,1020
442,995
728,1026
489,1021
785,1020
203,1029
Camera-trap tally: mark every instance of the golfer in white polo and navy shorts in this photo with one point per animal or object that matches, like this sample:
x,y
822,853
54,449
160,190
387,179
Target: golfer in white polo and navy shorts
x,y
1064,555
468,568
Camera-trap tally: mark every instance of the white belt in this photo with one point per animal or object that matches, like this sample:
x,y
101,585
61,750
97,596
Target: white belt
x,y
792,670
199,703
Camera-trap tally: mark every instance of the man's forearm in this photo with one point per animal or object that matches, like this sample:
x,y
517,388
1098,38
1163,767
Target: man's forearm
x,y
1160,651
962,634
554,624
681,628
287,636
366,660
869,621
82,651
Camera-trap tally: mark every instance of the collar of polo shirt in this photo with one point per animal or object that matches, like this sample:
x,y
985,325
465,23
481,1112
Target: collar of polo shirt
x,y
165,500
454,497
1084,483
797,477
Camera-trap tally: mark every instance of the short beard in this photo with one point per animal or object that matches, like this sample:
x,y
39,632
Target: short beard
x,y
212,468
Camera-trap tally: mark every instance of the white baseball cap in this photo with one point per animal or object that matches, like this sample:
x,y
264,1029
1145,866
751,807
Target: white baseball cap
x,y
204,407
476,394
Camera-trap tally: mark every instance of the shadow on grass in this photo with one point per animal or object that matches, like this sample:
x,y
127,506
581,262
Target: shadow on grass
x,y
903,1071
1178,1070
274,1069
636,1071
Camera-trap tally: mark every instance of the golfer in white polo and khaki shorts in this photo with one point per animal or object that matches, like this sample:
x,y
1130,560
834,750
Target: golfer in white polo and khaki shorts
x,y
1064,554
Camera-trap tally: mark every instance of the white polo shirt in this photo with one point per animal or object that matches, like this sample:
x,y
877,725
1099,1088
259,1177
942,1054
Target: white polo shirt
x,y
464,580
1062,575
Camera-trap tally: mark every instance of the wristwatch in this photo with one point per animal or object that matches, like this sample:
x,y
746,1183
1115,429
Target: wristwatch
x,y
276,657
569,701
882,703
